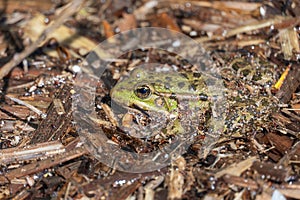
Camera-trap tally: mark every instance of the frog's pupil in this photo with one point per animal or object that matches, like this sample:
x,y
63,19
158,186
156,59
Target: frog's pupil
x,y
143,91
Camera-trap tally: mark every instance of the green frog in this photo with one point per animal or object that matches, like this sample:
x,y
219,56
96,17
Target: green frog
x,y
181,97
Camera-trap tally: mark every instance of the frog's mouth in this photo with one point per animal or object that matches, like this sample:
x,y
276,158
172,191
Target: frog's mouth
x,y
131,107
136,107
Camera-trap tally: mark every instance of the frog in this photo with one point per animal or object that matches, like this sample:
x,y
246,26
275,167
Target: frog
x,y
177,95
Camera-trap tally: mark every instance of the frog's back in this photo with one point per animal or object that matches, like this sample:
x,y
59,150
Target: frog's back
x,y
178,83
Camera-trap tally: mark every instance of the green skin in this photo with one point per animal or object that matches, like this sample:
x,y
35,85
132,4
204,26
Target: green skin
x,y
168,89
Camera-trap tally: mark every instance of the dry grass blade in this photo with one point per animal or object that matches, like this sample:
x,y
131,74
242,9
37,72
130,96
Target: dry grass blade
x,y
34,109
225,5
253,26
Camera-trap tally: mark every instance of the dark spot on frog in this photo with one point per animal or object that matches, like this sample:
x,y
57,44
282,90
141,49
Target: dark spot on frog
x,y
197,82
203,97
192,87
184,75
185,62
202,66
197,75
210,82
168,78
181,84
167,86
173,96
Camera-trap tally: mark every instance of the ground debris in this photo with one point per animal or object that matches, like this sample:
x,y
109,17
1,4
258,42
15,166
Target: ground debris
x,y
43,46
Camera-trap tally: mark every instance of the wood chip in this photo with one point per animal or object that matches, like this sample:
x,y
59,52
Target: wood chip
x,y
289,40
237,169
59,106
240,181
128,22
271,171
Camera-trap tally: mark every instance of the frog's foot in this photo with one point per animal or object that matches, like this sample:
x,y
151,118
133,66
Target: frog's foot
x,y
244,68
174,128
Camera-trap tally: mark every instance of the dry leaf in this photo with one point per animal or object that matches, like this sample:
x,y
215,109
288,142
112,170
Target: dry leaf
x,y
128,22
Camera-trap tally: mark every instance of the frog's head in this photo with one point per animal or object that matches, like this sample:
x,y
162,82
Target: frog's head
x,y
138,90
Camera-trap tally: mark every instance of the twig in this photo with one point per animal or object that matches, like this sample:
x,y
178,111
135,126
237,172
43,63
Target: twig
x,y
31,107
36,151
44,164
68,11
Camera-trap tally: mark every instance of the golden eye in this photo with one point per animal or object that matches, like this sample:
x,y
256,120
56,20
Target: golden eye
x,y
142,91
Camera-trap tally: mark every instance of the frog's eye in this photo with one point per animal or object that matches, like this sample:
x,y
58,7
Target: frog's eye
x,y
142,91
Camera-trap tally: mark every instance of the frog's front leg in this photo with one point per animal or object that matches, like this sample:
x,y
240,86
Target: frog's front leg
x,y
174,128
